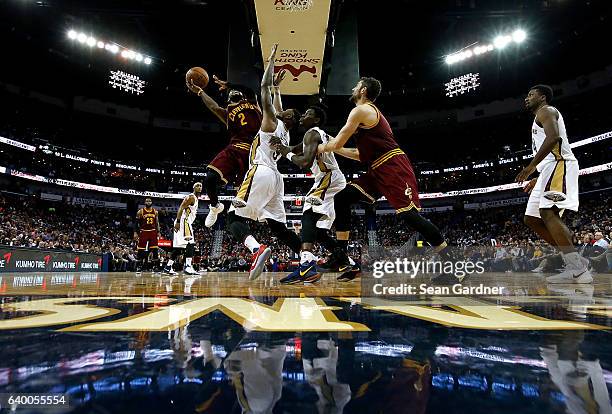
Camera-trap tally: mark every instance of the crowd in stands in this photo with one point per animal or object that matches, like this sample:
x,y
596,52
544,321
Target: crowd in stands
x,y
496,235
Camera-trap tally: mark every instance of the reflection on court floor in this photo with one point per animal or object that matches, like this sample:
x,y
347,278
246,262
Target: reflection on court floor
x,y
217,343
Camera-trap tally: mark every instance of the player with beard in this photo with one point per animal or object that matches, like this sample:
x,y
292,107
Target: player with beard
x,y
389,173
242,117
147,220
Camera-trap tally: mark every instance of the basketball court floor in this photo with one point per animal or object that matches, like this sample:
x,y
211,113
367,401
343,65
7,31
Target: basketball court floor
x,y
118,342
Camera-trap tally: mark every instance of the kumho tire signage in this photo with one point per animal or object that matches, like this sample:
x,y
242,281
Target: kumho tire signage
x,y
18,259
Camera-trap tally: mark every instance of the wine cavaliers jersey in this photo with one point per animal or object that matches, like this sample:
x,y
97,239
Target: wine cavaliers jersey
x,y
148,219
243,122
375,141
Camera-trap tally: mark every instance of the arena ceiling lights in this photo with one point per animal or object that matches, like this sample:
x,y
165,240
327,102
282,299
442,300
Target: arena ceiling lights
x,y
499,43
111,47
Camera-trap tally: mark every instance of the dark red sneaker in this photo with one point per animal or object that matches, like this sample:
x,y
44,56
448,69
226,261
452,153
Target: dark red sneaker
x,y
260,258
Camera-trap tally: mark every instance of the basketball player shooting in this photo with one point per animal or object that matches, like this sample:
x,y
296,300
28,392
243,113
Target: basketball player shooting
x,y
556,187
389,172
242,117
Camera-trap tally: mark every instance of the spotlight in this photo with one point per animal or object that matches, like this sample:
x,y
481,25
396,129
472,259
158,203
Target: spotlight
x,y
101,45
468,53
72,34
519,35
450,59
91,41
131,54
82,38
138,57
125,54
114,49
501,42
147,61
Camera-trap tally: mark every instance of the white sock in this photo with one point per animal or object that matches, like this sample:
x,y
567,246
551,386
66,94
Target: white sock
x,y
306,257
573,261
351,261
188,261
251,243
170,263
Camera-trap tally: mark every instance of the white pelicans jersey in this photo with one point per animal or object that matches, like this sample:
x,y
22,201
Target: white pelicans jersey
x,y
561,151
262,152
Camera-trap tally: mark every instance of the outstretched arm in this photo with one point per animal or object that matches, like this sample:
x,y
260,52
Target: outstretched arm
x,y
305,160
210,103
548,118
352,153
277,102
268,123
355,118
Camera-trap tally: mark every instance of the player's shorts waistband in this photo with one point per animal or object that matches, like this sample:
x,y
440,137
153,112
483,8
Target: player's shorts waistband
x,y
385,157
242,146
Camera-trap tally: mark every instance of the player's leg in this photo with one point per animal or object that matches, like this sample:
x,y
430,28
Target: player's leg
x,y
532,217
355,192
307,270
213,182
189,253
284,235
559,186
174,255
239,228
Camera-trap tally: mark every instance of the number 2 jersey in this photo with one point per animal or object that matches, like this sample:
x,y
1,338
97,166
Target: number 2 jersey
x,y
243,123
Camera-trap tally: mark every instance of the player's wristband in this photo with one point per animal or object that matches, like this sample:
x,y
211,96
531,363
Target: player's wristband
x,y
200,92
290,155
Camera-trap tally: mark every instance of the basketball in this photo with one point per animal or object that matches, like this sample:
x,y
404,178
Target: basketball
x,y
198,75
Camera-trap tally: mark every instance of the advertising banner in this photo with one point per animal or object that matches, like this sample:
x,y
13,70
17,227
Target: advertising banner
x,y
300,28
20,259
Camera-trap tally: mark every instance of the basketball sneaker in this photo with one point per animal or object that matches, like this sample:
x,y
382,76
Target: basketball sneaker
x,y
305,273
339,261
260,257
576,270
351,274
169,271
211,217
572,276
189,270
